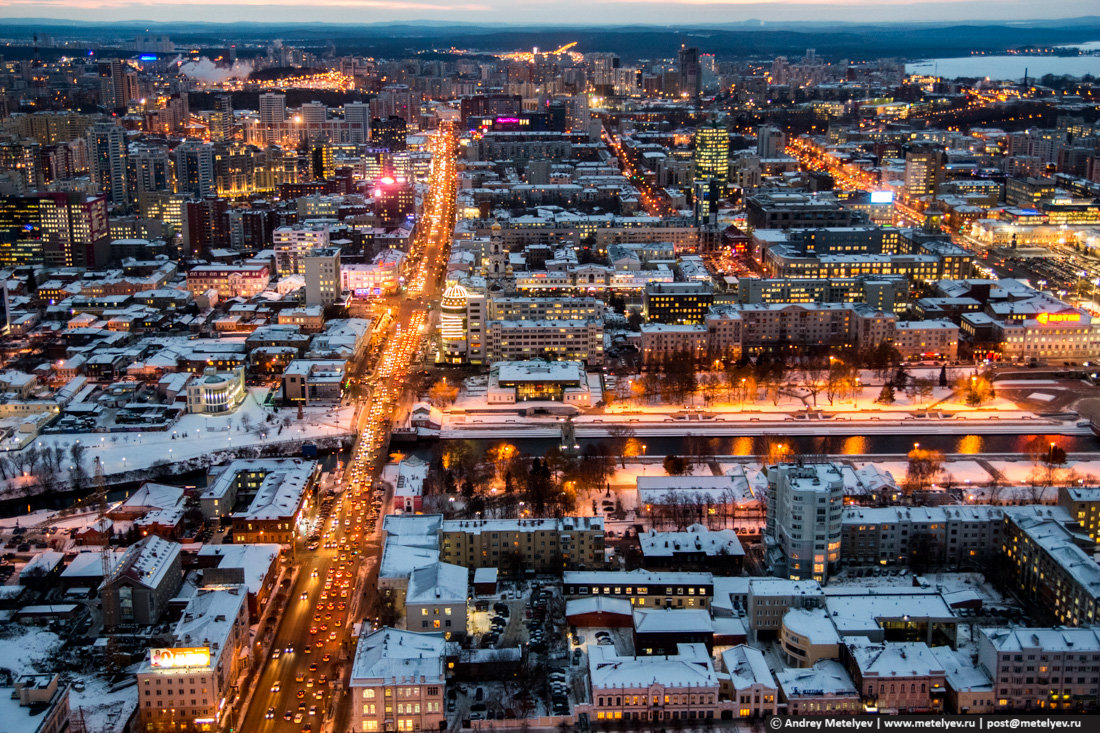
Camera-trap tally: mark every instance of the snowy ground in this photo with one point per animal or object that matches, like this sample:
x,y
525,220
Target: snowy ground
x,y
194,436
30,649
103,708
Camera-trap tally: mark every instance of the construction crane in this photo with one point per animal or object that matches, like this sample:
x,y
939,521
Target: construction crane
x,y
564,48
100,497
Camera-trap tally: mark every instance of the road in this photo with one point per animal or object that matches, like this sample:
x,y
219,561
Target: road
x,y
309,662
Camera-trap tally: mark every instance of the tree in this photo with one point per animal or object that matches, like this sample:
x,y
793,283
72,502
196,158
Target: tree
x,y
635,320
920,389
886,396
976,390
442,394
813,378
901,377
943,375
840,381
621,433
924,465
675,466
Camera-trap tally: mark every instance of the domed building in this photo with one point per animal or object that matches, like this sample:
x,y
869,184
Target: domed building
x,y
452,324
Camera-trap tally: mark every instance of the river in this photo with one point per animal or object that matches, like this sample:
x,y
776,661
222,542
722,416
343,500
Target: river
x,y
884,445
1011,68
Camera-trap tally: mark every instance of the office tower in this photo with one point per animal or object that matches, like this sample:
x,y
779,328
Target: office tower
x,y
322,276
357,115
923,172
221,119
107,160
75,230
691,75
390,133
805,508
272,108
20,231
394,199
149,169
770,142
712,150
195,168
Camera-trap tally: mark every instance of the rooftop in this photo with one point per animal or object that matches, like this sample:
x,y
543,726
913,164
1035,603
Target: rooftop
x,y
392,657
690,667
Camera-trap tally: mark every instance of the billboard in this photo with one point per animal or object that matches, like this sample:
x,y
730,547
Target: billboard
x,y
198,656
1045,318
882,197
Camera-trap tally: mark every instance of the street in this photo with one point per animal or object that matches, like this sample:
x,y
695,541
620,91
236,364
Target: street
x,y
304,680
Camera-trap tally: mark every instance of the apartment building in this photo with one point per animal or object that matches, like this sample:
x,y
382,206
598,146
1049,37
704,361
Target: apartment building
x,y
293,243
804,512
397,681
545,545
823,689
189,687
1083,505
952,536
230,281
751,327
662,343
935,339
1049,565
567,340
435,599
1037,669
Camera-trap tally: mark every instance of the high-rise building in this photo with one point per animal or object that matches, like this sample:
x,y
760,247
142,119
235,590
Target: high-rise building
x,y
691,74
107,156
313,114
804,519
117,83
923,172
221,119
712,152
396,100
149,169
75,230
195,168
272,108
357,115
205,225
770,141
292,243
390,133
322,275
20,231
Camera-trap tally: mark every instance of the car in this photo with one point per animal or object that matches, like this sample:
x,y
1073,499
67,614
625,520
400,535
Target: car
x,y
288,715
289,649
577,656
275,687
298,717
276,654
300,677
304,596
313,667
300,694
312,710
309,682
270,713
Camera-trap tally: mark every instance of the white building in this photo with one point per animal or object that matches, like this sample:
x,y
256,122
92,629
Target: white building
x,y
1034,669
188,687
292,243
678,687
321,268
216,393
397,682
436,599
805,509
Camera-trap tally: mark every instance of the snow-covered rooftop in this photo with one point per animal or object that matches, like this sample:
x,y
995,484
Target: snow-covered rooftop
x,y
438,582
747,667
690,667
394,657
